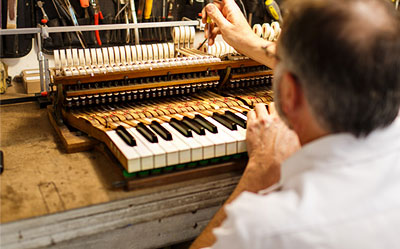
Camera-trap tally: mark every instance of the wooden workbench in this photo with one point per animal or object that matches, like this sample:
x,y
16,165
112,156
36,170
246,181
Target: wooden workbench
x,y
53,199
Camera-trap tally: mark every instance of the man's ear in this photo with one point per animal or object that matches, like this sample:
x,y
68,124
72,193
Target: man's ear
x,y
291,94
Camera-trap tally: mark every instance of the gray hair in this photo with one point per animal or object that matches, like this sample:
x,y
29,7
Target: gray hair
x,y
346,57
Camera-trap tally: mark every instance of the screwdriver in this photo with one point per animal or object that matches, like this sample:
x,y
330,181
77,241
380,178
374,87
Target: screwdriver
x,y
273,10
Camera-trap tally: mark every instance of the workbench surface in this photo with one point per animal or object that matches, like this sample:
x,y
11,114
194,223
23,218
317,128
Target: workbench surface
x,y
53,199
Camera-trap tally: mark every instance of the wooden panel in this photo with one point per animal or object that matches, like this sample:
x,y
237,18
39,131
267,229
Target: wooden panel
x,y
140,86
252,74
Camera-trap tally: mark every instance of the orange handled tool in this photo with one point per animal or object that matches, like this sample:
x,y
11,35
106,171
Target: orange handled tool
x,y
97,15
84,3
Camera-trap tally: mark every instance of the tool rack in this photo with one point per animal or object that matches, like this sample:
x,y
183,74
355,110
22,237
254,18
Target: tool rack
x,y
42,32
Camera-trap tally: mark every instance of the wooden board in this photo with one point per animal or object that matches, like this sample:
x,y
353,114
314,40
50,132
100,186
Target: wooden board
x,y
72,141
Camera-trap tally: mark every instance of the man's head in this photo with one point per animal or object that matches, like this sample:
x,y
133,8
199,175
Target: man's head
x,y
344,57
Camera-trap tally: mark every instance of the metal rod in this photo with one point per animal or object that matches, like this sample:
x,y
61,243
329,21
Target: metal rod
x,y
24,31
40,58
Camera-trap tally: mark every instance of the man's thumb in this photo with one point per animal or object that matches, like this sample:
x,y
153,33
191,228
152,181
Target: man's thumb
x,y
215,14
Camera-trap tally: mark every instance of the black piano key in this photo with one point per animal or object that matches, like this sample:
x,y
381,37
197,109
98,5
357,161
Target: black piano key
x,y
181,127
160,130
196,127
147,133
235,118
225,121
126,136
205,123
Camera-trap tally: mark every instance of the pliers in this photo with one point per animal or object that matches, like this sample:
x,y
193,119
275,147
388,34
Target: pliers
x,y
97,15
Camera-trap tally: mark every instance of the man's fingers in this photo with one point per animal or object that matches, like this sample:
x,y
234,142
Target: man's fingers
x,y
261,110
215,31
251,115
271,108
203,15
216,16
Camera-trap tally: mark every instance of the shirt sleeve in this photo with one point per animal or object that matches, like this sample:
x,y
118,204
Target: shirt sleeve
x,y
252,219
234,233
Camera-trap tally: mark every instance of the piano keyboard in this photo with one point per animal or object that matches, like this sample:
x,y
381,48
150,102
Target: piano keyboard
x,y
157,134
162,106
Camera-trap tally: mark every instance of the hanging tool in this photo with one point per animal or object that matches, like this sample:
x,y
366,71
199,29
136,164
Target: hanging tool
x,y
84,3
72,14
170,9
164,18
12,8
148,9
45,18
134,19
273,10
60,10
140,10
127,35
97,15
147,13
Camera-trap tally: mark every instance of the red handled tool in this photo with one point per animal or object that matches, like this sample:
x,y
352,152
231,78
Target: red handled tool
x,y
97,15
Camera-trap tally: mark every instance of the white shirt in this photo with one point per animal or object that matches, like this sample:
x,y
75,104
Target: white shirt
x,y
336,192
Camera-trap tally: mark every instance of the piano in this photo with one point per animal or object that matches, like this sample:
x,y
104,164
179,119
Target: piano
x,y
161,107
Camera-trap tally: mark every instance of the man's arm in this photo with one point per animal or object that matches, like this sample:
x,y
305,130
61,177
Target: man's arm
x,y
269,142
229,21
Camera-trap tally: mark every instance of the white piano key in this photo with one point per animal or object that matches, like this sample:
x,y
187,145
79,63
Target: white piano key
x,y
172,151
183,149
240,138
230,143
207,145
219,143
117,145
146,157
196,151
159,155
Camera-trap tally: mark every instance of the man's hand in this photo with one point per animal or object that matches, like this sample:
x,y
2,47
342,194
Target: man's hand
x,y
269,143
229,21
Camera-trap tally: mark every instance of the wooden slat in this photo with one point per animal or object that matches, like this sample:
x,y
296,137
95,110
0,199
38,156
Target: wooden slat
x,y
141,86
252,74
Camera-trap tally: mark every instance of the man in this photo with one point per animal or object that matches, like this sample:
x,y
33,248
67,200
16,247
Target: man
x,y
337,86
